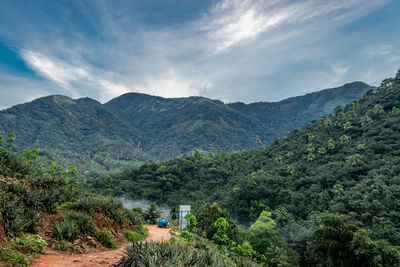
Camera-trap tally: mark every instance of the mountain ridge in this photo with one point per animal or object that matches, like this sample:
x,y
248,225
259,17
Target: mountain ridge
x,y
135,128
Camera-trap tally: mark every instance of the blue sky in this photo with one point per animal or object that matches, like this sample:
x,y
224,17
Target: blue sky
x,y
238,50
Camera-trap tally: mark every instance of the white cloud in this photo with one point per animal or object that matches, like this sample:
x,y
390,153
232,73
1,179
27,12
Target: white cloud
x,y
67,75
232,22
56,70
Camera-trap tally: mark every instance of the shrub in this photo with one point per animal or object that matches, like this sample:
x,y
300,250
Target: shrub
x,y
17,218
73,224
65,230
106,238
142,230
64,245
13,258
110,207
32,244
140,234
132,236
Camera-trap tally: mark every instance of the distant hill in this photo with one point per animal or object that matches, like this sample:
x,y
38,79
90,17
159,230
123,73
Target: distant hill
x,y
176,126
136,128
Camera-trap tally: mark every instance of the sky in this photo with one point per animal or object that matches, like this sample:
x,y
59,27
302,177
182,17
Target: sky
x,y
232,50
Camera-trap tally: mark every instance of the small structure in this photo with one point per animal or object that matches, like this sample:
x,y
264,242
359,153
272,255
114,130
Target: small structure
x,y
183,211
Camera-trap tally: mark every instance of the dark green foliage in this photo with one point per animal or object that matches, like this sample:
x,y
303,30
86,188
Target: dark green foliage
x,y
347,162
170,254
106,238
17,218
208,214
342,243
72,225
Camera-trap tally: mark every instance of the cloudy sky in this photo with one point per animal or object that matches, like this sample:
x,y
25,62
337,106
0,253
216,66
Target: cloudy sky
x,y
236,50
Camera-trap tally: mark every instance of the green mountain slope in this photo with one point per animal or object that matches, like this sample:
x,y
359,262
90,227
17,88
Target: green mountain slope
x,y
344,163
178,125
136,128
82,130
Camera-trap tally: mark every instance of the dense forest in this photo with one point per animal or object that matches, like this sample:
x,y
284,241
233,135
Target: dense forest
x,y
330,189
135,128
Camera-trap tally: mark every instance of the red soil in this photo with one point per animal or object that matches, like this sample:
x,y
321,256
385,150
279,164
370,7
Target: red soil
x,y
98,257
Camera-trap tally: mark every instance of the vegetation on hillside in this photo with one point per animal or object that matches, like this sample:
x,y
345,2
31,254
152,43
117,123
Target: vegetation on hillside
x,y
81,132
331,187
136,128
49,208
178,125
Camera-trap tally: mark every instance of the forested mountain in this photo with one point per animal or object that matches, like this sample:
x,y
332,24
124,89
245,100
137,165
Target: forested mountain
x,y
176,126
136,128
345,163
78,131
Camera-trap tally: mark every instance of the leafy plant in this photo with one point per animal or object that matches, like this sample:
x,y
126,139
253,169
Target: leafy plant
x,y
72,225
64,245
13,258
106,238
32,244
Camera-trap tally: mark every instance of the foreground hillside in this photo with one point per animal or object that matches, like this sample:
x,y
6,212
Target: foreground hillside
x,y
345,163
135,128
42,210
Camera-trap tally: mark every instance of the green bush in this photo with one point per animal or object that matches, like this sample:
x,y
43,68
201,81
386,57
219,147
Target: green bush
x,y
106,238
73,224
65,230
13,258
142,230
18,218
132,236
140,234
32,244
64,245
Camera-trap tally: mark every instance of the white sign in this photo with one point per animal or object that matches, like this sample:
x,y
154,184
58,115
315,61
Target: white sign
x,y
183,210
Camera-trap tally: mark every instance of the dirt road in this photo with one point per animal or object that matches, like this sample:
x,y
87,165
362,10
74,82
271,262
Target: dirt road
x,y
55,258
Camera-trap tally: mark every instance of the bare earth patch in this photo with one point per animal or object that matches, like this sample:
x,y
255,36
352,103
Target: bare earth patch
x,y
103,257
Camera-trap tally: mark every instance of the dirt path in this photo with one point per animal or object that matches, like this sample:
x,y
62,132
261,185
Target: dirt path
x,y
55,258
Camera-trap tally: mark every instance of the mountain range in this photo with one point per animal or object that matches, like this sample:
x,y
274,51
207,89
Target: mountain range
x,y
135,128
